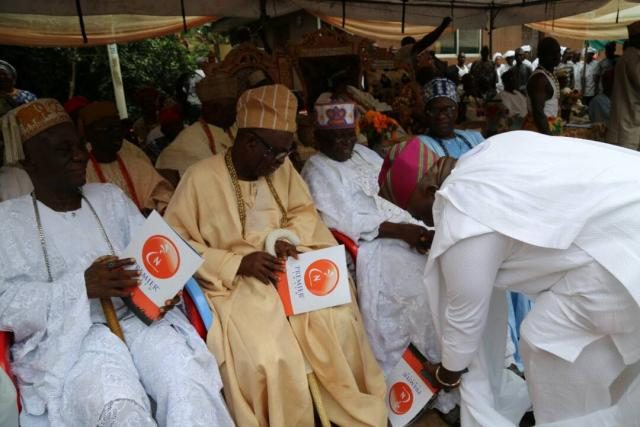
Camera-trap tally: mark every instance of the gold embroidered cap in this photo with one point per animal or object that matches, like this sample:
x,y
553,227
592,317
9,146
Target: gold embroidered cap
x,y
37,116
268,107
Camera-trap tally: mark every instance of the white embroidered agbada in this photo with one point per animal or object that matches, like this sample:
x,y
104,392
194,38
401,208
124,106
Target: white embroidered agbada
x,y
557,219
71,370
389,273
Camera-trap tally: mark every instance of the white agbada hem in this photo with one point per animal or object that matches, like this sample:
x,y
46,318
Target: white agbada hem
x,y
71,370
557,219
389,273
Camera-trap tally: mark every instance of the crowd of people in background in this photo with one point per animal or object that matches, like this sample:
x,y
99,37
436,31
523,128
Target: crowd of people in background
x,y
231,168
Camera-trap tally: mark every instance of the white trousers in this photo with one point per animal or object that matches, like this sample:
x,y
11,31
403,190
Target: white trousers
x,y
606,317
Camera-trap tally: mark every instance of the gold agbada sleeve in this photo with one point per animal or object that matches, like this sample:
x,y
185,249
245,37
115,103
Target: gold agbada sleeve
x,y
262,354
189,213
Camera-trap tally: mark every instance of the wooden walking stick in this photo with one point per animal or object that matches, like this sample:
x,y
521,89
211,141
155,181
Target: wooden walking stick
x,y
112,319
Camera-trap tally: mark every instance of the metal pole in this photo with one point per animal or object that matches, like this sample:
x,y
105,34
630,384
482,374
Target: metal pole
x,y
116,78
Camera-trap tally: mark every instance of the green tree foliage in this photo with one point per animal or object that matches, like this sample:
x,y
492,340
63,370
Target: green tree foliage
x,y
155,62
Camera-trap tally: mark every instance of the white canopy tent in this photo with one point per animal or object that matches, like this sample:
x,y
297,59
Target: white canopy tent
x,y
608,22
90,22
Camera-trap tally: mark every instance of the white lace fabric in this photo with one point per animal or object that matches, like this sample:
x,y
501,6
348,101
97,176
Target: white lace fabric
x,y
71,370
389,273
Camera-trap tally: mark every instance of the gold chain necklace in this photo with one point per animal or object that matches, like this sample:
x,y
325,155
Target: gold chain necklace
x,y
242,212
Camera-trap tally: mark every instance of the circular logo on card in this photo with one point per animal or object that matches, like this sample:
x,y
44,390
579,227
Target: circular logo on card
x,y
321,277
161,257
400,398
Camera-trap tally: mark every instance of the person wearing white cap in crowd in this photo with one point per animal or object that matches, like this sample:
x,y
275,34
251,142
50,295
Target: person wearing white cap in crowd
x,y
526,49
510,59
586,79
499,62
343,180
213,132
566,66
625,99
59,254
234,207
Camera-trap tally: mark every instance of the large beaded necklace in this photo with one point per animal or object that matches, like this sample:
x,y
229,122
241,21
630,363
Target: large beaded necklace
x,y
242,211
551,77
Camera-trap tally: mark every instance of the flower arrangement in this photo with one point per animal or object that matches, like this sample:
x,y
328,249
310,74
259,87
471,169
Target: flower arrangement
x,y
377,126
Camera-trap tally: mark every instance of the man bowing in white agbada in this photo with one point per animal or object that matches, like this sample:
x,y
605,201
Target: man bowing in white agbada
x,y
343,180
557,219
58,255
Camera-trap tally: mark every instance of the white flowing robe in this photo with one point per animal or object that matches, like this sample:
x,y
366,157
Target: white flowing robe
x,y
568,214
389,273
71,370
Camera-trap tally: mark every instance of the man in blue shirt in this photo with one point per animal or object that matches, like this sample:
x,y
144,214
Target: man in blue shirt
x,y
441,109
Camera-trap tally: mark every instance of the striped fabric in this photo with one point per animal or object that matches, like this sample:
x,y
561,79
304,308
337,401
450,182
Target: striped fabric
x,y
402,170
268,107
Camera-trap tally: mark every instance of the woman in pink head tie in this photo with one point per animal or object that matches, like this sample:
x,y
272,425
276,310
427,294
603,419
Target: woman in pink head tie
x,y
402,172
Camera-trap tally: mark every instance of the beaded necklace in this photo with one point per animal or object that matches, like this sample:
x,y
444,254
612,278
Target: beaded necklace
x,y
242,212
551,77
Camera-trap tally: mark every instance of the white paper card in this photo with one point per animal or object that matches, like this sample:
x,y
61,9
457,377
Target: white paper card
x,y
166,262
316,280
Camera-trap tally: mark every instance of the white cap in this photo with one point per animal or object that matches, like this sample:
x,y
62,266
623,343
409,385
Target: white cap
x,y
562,49
588,50
526,48
496,55
509,53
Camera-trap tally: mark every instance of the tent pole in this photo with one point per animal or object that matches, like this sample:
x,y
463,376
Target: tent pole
x,y
116,78
491,17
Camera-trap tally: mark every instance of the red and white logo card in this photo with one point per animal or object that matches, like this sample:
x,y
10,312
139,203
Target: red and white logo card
x,y
316,280
166,262
408,391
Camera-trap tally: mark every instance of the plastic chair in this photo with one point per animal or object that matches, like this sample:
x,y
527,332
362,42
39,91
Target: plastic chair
x,y
196,308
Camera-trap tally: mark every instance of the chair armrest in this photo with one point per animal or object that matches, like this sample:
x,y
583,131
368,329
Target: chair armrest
x,y
6,338
349,245
200,303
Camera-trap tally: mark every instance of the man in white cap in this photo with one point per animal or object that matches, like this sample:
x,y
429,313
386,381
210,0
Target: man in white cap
x,y
213,132
59,251
586,79
228,207
510,59
566,66
343,180
625,99
526,49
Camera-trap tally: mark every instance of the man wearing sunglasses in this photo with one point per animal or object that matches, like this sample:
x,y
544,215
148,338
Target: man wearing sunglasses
x,y
225,207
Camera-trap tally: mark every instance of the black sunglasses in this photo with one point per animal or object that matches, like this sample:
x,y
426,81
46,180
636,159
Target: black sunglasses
x,y
270,150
